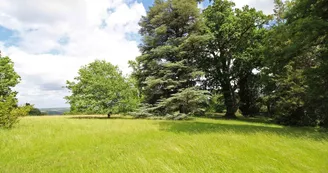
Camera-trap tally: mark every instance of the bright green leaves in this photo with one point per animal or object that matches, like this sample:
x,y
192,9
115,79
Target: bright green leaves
x,y
8,77
101,88
9,112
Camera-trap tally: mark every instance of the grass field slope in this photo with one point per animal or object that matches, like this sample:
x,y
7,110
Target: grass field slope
x,y
96,144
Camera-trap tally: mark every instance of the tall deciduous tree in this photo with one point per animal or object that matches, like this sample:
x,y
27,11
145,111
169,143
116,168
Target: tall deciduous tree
x,y
101,88
236,35
8,77
9,111
170,48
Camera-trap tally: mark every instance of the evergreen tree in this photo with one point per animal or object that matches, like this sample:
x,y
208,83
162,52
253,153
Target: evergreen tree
x,y
296,63
171,46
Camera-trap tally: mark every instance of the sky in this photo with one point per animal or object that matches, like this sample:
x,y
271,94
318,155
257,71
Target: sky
x,y
49,40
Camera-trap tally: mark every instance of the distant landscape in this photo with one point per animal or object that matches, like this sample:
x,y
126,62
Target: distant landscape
x,y
54,111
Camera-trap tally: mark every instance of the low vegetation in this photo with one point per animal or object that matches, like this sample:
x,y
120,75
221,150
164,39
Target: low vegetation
x,y
120,144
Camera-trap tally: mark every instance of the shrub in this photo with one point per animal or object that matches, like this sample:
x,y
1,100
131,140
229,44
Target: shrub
x,y
176,116
189,101
9,113
216,104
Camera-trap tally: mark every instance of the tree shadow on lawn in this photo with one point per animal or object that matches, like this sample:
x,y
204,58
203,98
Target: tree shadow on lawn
x,y
205,127
101,118
253,119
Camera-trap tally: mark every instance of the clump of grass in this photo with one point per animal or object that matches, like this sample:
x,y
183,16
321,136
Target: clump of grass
x,y
123,144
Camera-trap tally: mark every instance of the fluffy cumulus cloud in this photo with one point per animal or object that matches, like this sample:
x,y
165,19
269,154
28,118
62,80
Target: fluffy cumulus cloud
x,y
53,39
265,5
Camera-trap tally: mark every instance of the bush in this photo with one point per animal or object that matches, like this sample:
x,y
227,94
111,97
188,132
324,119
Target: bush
x,y
295,116
189,101
176,116
35,112
141,114
216,104
148,112
9,113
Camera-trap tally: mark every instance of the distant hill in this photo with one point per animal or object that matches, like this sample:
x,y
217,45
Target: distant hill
x,y
54,111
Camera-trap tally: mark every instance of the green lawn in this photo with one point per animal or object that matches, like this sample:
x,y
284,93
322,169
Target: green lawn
x,y
89,144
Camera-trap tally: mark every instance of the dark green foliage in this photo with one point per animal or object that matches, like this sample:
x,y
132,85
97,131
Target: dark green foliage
x,y
101,88
224,60
216,104
290,96
249,94
167,68
187,101
233,50
190,101
296,73
34,111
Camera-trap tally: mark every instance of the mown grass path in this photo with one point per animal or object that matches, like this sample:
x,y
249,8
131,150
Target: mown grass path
x,y
96,144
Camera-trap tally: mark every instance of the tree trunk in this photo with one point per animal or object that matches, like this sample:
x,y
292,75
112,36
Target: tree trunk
x,y
181,109
229,100
248,94
244,96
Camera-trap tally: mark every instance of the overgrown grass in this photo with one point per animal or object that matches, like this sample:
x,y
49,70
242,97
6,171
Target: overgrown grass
x,y
96,144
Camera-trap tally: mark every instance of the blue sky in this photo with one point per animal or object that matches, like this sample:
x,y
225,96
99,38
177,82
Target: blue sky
x,y
50,41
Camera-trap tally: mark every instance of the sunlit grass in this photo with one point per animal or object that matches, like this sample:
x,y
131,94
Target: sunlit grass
x,y
88,144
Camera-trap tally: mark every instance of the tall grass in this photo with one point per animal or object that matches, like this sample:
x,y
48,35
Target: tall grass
x,y
96,144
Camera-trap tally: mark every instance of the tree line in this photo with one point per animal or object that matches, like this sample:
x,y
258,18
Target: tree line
x,y
224,59
221,59
255,62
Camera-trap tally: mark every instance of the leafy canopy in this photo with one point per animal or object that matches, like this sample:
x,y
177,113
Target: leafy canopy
x,y
101,88
9,111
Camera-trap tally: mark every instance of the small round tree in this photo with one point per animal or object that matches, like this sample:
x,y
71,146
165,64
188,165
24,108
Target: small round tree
x,y
101,88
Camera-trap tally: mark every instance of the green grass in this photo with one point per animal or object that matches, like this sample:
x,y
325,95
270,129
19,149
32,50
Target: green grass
x,y
88,144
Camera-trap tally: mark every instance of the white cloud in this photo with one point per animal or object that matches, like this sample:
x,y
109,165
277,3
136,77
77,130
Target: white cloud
x,y
201,5
44,63
265,5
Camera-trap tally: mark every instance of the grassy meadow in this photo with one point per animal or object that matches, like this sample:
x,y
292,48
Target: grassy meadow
x,y
96,144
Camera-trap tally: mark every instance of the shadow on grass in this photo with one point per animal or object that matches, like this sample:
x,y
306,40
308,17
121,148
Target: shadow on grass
x,y
101,118
205,127
264,120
